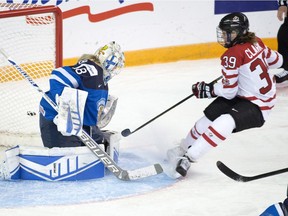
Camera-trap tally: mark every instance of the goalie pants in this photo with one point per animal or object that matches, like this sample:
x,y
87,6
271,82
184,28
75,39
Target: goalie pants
x,y
51,137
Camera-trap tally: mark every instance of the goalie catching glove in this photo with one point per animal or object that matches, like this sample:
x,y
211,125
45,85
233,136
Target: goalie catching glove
x,y
203,90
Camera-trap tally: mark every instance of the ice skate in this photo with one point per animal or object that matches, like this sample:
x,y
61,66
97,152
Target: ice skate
x,y
281,77
183,165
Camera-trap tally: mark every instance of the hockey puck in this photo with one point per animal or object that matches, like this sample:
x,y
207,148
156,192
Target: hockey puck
x,y
30,113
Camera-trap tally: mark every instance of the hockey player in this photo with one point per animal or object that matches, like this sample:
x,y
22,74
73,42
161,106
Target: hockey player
x,y
245,96
67,84
282,40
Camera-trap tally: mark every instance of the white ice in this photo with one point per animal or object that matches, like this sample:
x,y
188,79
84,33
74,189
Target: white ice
x,y
145,92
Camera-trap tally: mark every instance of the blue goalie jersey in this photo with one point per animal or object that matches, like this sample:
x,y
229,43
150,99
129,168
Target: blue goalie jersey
x,y
85,75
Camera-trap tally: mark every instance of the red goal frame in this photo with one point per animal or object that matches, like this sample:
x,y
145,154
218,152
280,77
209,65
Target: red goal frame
x,y
38,10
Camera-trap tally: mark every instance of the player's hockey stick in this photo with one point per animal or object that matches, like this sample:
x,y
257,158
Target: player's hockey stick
x,y
91,144
237,177
127,132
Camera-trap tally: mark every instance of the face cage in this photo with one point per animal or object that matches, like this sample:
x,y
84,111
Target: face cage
x,y
112,68
221,39
109,75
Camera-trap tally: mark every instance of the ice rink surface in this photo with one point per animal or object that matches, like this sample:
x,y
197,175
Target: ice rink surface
x,y
144,92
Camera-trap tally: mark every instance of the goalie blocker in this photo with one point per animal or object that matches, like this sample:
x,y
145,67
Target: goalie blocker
x,y
55,164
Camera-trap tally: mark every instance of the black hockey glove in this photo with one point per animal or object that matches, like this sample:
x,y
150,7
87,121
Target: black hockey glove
x,y
203,90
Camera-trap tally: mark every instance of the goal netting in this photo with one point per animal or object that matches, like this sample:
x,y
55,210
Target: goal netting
x,y
32,36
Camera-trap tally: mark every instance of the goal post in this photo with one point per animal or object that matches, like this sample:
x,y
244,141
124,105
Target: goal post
x,y
32,36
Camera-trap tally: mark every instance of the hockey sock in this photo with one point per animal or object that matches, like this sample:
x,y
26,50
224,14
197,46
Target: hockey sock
x,y
216,133
200,127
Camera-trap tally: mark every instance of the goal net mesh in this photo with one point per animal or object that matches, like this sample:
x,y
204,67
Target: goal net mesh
x,y
31,36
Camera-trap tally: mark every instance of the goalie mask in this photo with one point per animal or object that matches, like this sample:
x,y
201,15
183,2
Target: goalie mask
x,y
231,28
111,59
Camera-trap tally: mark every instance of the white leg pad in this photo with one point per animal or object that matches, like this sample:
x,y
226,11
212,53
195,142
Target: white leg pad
x,y
114,140
9,163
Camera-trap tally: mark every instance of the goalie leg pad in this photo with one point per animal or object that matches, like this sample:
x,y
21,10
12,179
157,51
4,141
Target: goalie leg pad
x,y
54,164
59,164
9,164
113,138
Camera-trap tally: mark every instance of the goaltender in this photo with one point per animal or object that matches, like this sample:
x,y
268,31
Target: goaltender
x,y
81,93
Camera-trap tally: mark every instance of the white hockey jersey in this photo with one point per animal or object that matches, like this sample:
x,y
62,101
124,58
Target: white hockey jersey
x,y
245,70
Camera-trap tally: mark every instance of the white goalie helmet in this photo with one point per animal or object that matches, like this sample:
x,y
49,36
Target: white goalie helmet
x,y
111,58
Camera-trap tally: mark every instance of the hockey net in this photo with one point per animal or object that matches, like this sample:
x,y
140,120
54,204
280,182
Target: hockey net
x,y
32,36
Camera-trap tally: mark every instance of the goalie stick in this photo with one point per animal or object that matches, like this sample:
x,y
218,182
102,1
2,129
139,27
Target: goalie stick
x,y
237,177
109,163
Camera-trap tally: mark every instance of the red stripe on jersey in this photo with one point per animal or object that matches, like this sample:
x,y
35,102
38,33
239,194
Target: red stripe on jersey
x,y
276,60
266,108
255,98
216,133
232,76
270,99
269,53
229,76
209,140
